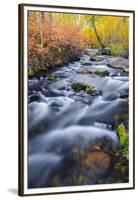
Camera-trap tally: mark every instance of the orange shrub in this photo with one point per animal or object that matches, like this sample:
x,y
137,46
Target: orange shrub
x,y
62,43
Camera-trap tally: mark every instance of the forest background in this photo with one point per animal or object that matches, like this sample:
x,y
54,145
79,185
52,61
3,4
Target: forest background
x,y
56,39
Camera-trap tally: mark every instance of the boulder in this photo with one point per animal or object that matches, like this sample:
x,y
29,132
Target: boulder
x,y
82,167
106,51
92,52
97,58
91,165
126,70
119,63
93,72
90,89
52,77
88,63
34,97
101,73
85,70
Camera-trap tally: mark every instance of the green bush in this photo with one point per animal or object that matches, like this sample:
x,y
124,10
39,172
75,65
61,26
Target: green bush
x,y
123,137
119,50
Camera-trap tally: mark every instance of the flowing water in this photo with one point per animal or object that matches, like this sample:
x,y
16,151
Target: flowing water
x,y
72,135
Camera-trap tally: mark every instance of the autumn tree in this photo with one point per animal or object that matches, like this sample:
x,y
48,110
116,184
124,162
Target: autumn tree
x,y
96,32
106,31
58,38
54,39
42,18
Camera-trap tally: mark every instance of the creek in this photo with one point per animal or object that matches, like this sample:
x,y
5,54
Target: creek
x,y
72,134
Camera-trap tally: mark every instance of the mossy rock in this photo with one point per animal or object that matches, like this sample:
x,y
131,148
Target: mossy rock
x,y
52,77
106,51
97,58
84,70
90,89
36,71
34,97
101,73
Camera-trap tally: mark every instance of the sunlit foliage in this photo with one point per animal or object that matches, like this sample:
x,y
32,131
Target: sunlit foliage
x,y
112,30
58,38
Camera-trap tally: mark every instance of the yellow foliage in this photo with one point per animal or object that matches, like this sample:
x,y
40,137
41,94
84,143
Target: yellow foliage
x,y
112,30
90,35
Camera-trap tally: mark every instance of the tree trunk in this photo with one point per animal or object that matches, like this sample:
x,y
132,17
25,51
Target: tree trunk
x,y
77,19
95,29
50,22
42,28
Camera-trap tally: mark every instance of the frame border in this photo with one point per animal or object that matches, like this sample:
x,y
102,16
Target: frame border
x,y
21,98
